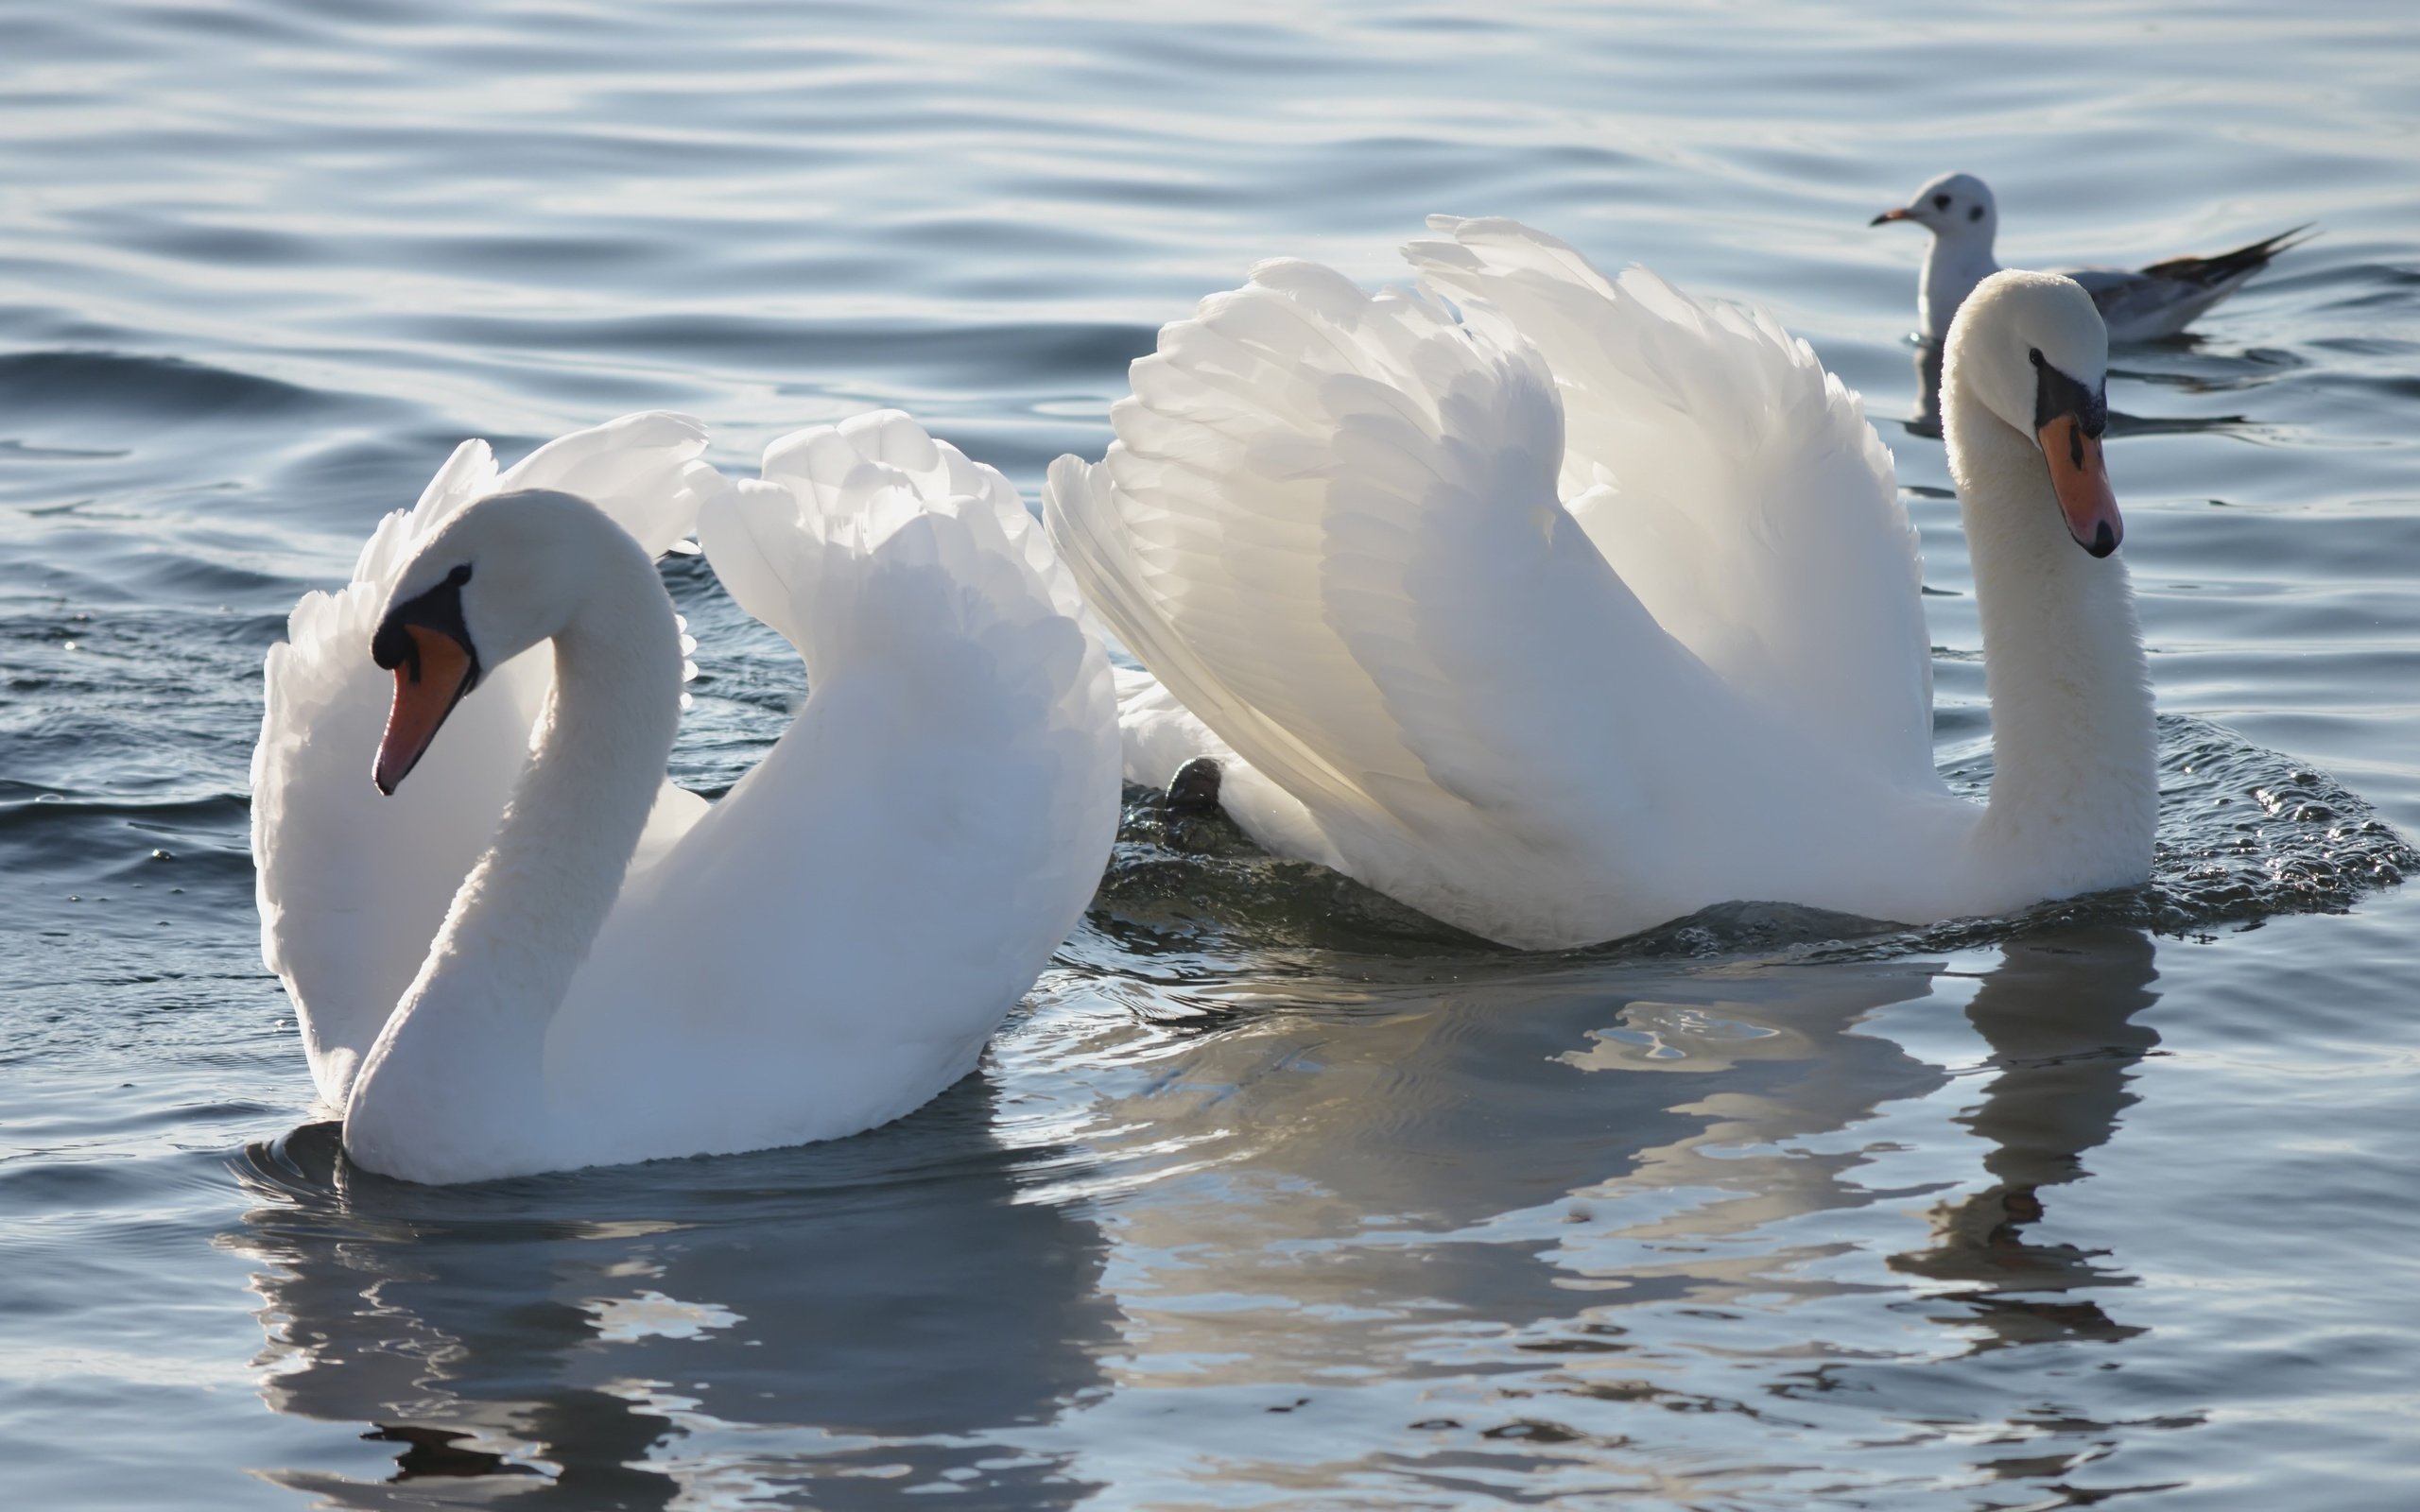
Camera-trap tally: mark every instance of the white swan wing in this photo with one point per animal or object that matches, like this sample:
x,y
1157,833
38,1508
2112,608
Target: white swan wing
x,y
1733,483
645,471
1202,537
352,885
1329,525
836,939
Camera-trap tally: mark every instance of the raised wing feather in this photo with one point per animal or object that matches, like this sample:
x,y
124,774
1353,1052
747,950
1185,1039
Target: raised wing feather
x,y
1201,537
353,885
1733,483
1329,524
835,941
642,469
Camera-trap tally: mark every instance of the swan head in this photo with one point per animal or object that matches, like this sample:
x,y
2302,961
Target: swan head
x,y
506,573
2033,349
1956,207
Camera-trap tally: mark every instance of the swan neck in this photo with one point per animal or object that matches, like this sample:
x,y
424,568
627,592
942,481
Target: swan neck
x,y
2075,787
455,1081
598,757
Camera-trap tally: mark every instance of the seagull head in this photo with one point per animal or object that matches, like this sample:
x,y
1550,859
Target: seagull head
x,y
1954,207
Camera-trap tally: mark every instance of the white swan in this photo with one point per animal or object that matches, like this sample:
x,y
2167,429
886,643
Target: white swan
x,y
489,984
2137,304
1562,633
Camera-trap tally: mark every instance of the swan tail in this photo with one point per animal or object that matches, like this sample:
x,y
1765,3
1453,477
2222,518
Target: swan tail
x,y
1709,446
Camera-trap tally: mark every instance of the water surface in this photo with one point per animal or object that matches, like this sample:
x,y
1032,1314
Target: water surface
x,y
1271,1196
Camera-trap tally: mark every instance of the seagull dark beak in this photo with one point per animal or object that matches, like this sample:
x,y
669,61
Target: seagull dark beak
x,y
1893,215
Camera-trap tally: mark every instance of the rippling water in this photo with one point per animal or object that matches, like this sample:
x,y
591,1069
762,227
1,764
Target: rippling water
x,y
1276,1195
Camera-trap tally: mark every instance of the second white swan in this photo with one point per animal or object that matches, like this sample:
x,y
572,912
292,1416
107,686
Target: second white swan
x,y
1596,605
537,952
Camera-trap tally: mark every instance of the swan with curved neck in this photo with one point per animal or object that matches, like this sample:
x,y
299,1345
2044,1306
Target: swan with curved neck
x,y
449,1080
1594,605
614,969
2075,785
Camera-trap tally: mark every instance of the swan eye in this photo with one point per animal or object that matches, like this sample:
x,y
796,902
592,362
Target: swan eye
x,y
1940,202
2056,394
1975,214
441,610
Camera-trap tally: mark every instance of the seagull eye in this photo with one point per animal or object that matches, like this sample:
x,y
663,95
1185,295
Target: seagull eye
x,y
1975,214
1940,202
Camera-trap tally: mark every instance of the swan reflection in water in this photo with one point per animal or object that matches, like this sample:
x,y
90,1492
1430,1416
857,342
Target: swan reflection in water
x,y
2059,1020
840,1313
1610,1225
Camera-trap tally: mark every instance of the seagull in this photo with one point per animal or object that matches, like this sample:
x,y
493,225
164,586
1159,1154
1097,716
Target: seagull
x,y
2137,304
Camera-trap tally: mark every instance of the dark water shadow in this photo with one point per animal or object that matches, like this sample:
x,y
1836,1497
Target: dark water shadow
x,y
1926,421
2058,1013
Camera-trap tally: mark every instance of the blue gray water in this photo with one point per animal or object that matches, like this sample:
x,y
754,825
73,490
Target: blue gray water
x,y
1271,1196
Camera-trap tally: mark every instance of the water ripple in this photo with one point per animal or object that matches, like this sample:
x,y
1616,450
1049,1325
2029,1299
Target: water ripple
x,y
1275,1193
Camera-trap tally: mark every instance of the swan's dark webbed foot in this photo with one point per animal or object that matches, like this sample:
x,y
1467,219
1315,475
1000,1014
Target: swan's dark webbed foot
x,y
1194,789
1189,814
